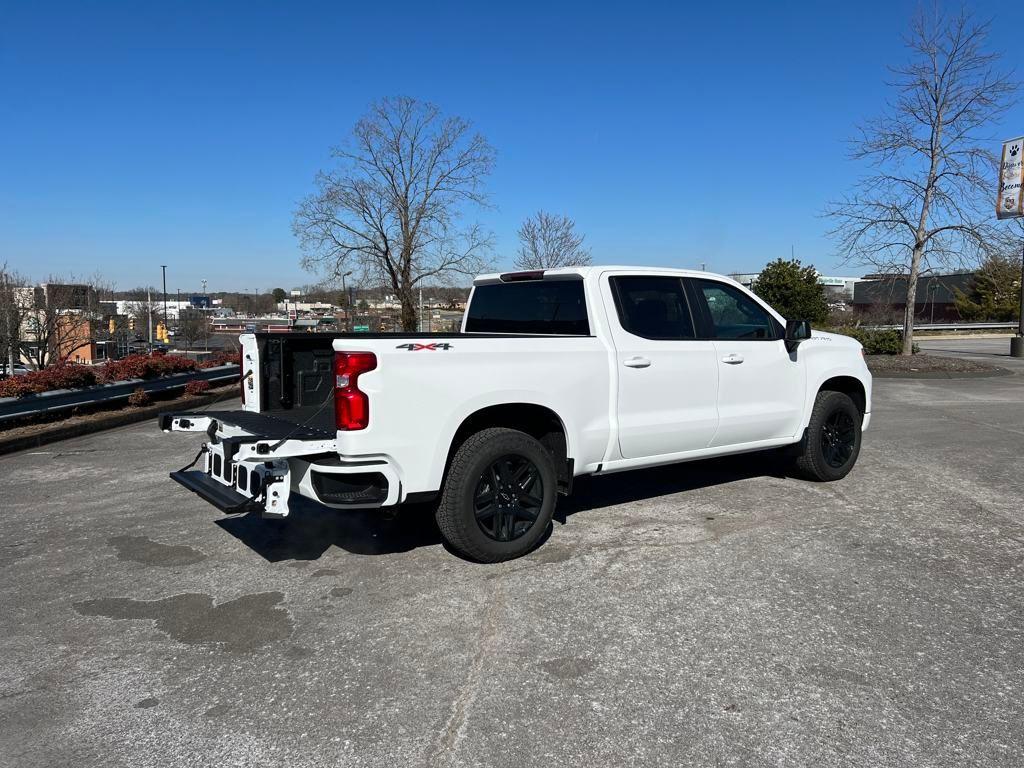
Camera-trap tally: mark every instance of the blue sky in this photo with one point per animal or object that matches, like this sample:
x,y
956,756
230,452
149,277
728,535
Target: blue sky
x,y
139,134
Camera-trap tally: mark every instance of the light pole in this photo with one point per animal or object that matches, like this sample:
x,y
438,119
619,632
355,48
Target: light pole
x,y
206,327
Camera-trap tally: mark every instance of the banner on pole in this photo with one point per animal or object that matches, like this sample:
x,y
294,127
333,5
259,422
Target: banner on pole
x,y
1010,204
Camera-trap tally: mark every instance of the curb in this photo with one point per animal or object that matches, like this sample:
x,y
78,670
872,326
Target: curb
x,y
63,431
941,374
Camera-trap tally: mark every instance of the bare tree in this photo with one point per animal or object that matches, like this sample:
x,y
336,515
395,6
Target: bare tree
x,y
926,202
194,326
60,318
144,306
16,300
391,209
548,241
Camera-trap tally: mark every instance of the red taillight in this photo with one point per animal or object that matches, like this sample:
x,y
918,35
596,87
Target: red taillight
x,y
351,407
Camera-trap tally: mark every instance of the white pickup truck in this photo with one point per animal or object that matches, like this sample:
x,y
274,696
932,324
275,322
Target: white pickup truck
x,y
556,374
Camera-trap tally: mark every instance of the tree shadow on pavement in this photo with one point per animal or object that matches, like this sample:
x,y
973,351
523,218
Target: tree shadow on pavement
x,y
312,529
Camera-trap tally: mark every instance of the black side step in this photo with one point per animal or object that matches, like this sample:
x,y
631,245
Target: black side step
x,y
223,498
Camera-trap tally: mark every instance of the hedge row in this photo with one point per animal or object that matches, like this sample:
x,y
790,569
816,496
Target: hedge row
x,y
130,367
55,377
876,341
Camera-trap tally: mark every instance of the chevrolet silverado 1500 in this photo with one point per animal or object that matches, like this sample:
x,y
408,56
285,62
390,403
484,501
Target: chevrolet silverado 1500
x,y
555,374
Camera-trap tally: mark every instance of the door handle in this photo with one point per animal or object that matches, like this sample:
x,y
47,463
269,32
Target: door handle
x,y
636,362
733,359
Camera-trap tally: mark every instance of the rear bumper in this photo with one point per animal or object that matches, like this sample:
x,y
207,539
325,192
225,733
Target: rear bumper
x,y
255,462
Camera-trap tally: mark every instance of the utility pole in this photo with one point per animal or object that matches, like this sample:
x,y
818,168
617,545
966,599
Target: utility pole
x,y
149,316
1017,342
348,309
163,269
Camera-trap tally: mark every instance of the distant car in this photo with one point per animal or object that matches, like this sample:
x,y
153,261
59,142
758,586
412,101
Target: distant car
x,y
19,370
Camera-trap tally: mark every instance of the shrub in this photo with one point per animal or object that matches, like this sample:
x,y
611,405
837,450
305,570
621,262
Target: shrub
x,y
793,290
14,387
197,387
146,367
877,341
222,358
138,398
48,379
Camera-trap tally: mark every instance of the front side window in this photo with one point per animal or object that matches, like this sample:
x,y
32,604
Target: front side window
x,y
734,315
653,307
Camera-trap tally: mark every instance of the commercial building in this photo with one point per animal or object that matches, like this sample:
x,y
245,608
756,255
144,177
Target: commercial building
x,y
836,288
935,296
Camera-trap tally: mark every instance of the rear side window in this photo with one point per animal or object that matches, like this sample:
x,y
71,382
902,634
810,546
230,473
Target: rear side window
x,y
534,306
735,315
653,307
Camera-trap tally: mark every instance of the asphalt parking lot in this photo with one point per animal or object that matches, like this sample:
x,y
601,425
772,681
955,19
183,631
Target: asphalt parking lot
x,y
717,613
990,349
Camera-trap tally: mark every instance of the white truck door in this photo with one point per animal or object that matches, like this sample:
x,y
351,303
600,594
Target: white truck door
x,y
760,384
668,379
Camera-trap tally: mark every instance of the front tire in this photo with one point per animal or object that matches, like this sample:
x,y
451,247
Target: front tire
x,y
499,495
833,437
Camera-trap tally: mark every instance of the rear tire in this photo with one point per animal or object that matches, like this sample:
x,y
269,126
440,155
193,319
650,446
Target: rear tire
x,y
499,496
832,440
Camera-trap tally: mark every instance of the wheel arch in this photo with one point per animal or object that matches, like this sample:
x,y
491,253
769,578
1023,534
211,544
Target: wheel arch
x,y
538,421
849,385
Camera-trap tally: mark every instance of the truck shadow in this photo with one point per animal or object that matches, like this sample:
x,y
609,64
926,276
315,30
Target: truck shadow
x,y
311,529
595,492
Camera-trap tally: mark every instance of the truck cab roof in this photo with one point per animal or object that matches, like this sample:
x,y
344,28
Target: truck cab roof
x,y
583,272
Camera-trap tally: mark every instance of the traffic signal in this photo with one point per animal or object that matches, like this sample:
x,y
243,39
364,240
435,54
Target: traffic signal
x,y
111,326
131,323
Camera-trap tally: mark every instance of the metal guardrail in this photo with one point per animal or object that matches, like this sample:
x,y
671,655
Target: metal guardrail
x,y
946,327
62,399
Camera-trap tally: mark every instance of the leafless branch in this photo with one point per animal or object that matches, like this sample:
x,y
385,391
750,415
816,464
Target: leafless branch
x,y
547,241
391,209
926,201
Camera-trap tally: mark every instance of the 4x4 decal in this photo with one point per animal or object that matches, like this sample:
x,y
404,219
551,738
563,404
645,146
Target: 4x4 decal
x,y
431,347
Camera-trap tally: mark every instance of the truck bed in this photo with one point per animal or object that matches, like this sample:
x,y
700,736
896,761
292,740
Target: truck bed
x,y
296,370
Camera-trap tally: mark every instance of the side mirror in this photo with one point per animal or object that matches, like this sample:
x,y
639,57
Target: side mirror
x,y
797,331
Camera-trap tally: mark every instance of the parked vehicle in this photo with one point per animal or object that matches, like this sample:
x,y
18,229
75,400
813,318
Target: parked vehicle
x,y
19,370
555,374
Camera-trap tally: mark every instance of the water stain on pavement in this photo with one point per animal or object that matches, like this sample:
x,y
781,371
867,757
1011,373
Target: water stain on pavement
x,y
140,549
326,572
568,667
241,625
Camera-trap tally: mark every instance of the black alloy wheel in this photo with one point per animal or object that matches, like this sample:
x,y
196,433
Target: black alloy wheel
x,y
508,498
838,438
832,439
